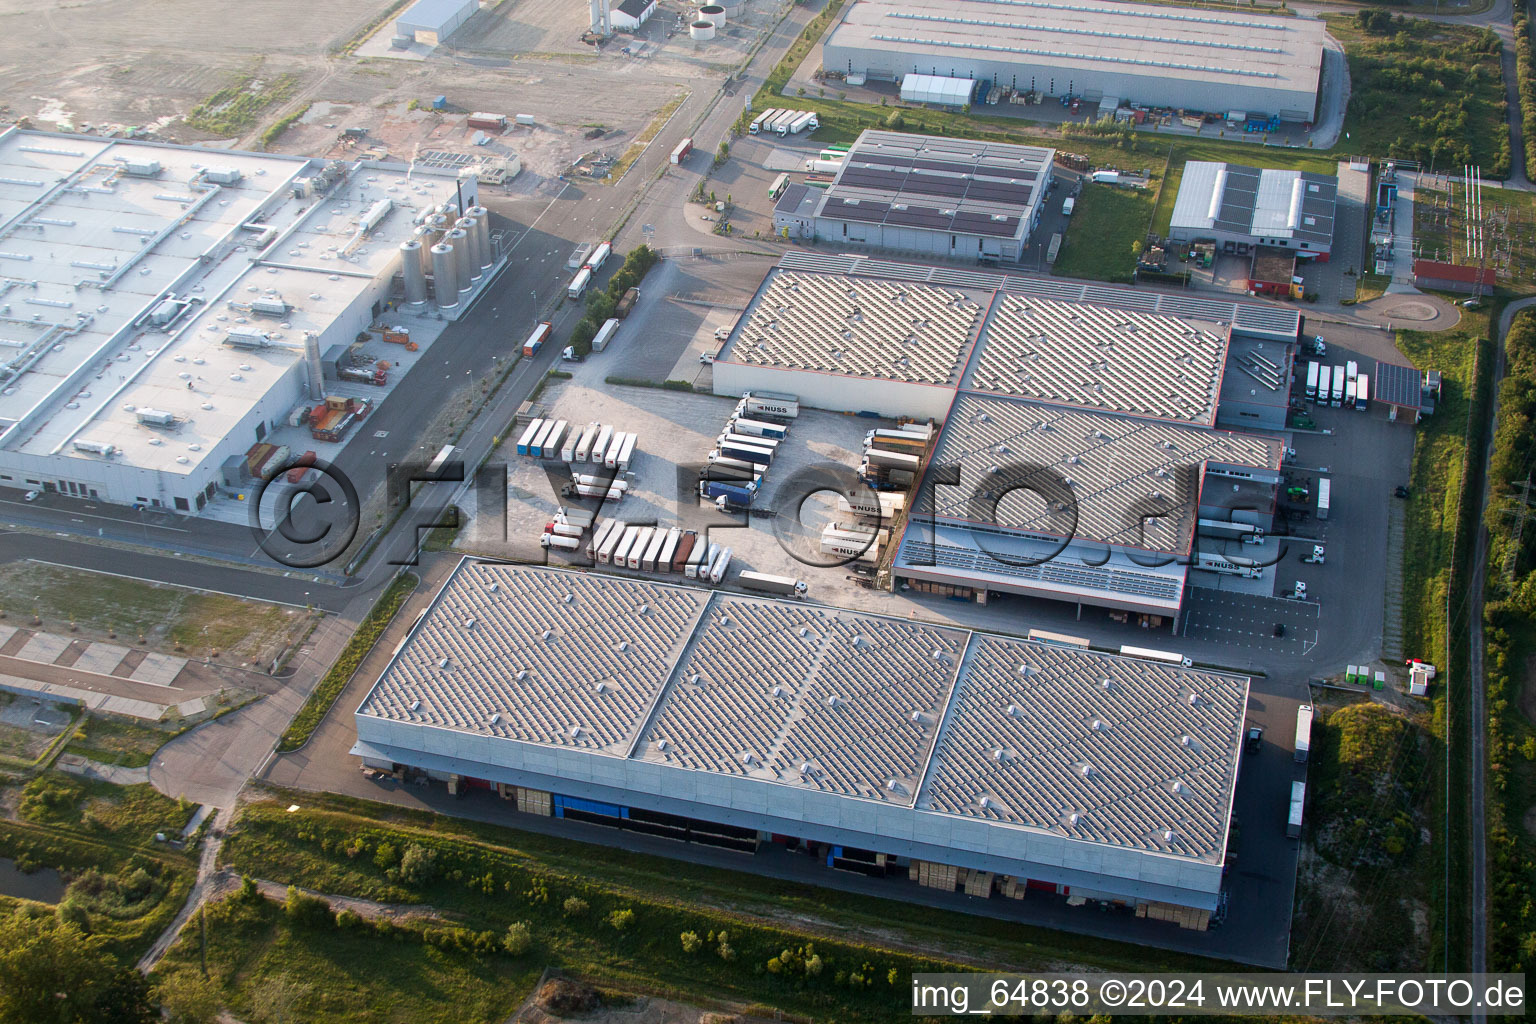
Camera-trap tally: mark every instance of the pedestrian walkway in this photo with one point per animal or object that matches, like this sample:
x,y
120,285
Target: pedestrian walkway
x,y
1392,611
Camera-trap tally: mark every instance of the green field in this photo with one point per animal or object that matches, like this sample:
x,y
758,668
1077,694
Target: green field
x,y
261,958
1107,220
120,741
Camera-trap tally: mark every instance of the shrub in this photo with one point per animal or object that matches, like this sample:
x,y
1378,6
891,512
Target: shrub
x,y
621,919
575,906
518,940
305,910
248,893
419,865
348,919
386,856
691,942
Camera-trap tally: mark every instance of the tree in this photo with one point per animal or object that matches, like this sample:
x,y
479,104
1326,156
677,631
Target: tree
x,y
419,865
186,997
52,972
1136,247
575,906
518,940
895,122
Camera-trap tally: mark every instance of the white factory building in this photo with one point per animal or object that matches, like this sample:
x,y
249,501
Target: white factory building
x,y
1153,55
1122,393
1242,207
961,760
162,308
948,198
430,22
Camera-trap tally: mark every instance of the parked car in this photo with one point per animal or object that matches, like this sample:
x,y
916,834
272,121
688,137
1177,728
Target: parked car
x,y
31,495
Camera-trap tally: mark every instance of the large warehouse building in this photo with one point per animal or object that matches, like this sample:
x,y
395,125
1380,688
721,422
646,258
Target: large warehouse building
x,y
1096,408
963,760
1241,208
165,306
1158,56
950,198
431,22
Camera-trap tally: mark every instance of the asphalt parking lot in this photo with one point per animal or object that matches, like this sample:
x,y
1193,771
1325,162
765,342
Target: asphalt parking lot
x,y
1248,620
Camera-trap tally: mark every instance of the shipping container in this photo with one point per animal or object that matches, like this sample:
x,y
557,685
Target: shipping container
x,y
525,442
546,427
823,166
626,453
578,257
620,439
703,554
555,540
1229,530
771,584
1149,654
718,567
601,445
599,256
747,453
1349,393
605,334
550,448
780,123
762,119
578,285
684,552
737,495
584,444
537,338
1298,805
681,151
1336,395
1068,206
1324,496
1303,732
1351,370
613,493
620,555
1362,393
1312,369
779,185
878,505
637,550
668,550
731,437
805,122
575,516
568,449
600,537
1324,384
653,550
893,460
732,470
1228,566
756,428
564,529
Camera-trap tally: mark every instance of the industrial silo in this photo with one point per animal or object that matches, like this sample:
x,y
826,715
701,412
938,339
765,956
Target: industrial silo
x,y
714,14
415,276
445,277
471,246
701,31
463,259
483,225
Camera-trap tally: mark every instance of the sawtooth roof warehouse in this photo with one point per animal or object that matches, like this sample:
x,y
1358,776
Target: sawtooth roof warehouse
x,y
973,760
1153,55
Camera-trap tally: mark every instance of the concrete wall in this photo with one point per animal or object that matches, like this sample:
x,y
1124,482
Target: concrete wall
x,y
771,807
941,244
835,392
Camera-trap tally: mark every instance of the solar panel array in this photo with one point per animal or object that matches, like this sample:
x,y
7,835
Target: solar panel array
x,y
863,328
811,696
1064,472
1099,357
570,659
1130,753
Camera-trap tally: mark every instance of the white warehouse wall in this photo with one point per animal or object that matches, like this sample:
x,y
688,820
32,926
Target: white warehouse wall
x,y
833,392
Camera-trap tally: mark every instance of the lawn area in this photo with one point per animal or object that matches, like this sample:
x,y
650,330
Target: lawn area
x,y
122,884
1425,91
1108,219
1437,551
338,845
1362,901
121,741
259,955
164,616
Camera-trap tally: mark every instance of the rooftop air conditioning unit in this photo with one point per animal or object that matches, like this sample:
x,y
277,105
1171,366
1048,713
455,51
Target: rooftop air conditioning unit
x,y
155,417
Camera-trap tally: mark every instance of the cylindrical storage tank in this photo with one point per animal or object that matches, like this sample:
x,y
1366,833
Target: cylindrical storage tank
x,y
733,8
437,225
445,276
483,226
700,31
462,259
415,278
471,247
316,370
714,14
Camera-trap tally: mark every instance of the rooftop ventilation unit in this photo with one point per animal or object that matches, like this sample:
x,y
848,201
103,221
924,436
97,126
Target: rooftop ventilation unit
x,y
415,704
154,417
222,175
142,168
270,307
95,448
247,338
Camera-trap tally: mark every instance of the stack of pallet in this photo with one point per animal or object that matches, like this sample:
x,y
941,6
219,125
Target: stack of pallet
x,y
934,876
534,801
1184,917
1013,888
977,883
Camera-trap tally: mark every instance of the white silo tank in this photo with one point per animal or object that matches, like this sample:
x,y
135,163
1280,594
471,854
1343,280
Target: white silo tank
x,y
415,277
312,362
714,14
437,225
445,277
483,226
470,263
701,31
463,259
